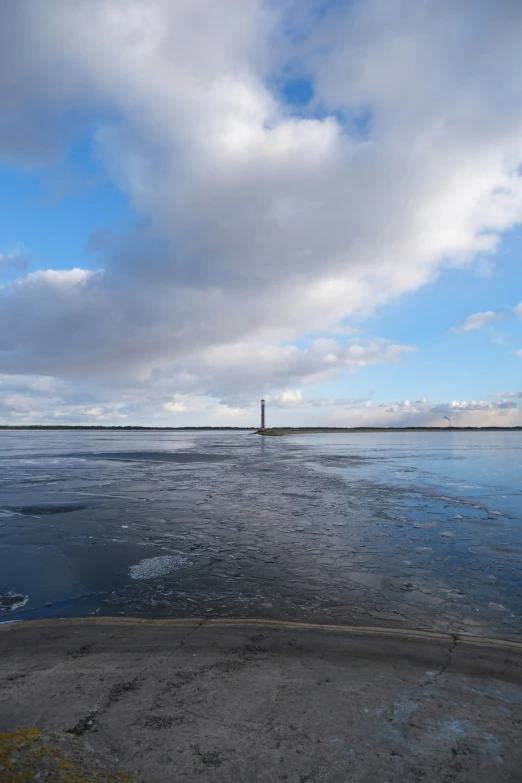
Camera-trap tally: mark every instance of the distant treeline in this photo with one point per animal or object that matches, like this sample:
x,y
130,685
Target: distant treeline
x,y
316,430
268,431
90,427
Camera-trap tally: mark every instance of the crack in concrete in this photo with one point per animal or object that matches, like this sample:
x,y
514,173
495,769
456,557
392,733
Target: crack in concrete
x,y
449,656
90,721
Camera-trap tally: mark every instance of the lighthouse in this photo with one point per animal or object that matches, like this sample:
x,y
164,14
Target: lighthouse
x,y
262,414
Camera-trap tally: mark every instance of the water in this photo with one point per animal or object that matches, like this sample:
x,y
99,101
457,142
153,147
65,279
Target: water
x,y
419,530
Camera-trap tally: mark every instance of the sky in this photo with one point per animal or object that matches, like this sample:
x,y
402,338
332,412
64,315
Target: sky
x,y
204,203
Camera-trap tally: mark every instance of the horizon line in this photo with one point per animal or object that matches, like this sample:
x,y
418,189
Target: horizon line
x,y
254,428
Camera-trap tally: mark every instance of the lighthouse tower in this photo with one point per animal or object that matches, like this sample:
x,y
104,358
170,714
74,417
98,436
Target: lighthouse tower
x,y
262,414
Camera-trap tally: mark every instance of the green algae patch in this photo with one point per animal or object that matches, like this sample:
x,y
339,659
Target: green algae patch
x,y
28,755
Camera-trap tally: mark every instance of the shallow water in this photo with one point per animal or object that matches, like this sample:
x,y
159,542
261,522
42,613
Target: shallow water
x,y
418,530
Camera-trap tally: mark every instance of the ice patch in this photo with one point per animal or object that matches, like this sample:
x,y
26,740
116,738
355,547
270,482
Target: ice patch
x,y
12,602
158,566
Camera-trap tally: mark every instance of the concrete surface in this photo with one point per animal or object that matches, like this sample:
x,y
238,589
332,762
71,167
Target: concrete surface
x,y
35,756
263,701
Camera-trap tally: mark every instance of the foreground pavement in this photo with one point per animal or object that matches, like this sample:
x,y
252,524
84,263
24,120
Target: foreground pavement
x,y
214,700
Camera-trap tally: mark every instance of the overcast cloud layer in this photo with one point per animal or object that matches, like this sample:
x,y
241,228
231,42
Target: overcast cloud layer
x,y
259,220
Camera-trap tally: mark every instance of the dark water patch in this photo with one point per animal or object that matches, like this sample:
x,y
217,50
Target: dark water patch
x,y
107,565
502,549
48,509
155,456
84,606
345,461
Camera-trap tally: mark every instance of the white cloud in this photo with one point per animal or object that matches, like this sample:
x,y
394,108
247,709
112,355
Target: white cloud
x,y
473,405
401,407
178,403
238,371
101,414
477,321
287,398
480,320
55,277
519,353
254,224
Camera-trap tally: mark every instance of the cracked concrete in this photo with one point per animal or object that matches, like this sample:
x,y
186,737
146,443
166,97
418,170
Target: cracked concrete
x,y
449,657
89,722
266,701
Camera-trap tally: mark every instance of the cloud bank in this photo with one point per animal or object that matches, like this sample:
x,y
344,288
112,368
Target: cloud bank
x,y
477,321
40,399
259,218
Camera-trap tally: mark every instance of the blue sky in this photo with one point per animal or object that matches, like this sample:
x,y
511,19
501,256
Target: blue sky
x,y
194,214
51,212
457,365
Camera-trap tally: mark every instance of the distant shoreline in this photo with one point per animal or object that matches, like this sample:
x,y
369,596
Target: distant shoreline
x,y
117,428
274,431
278,431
